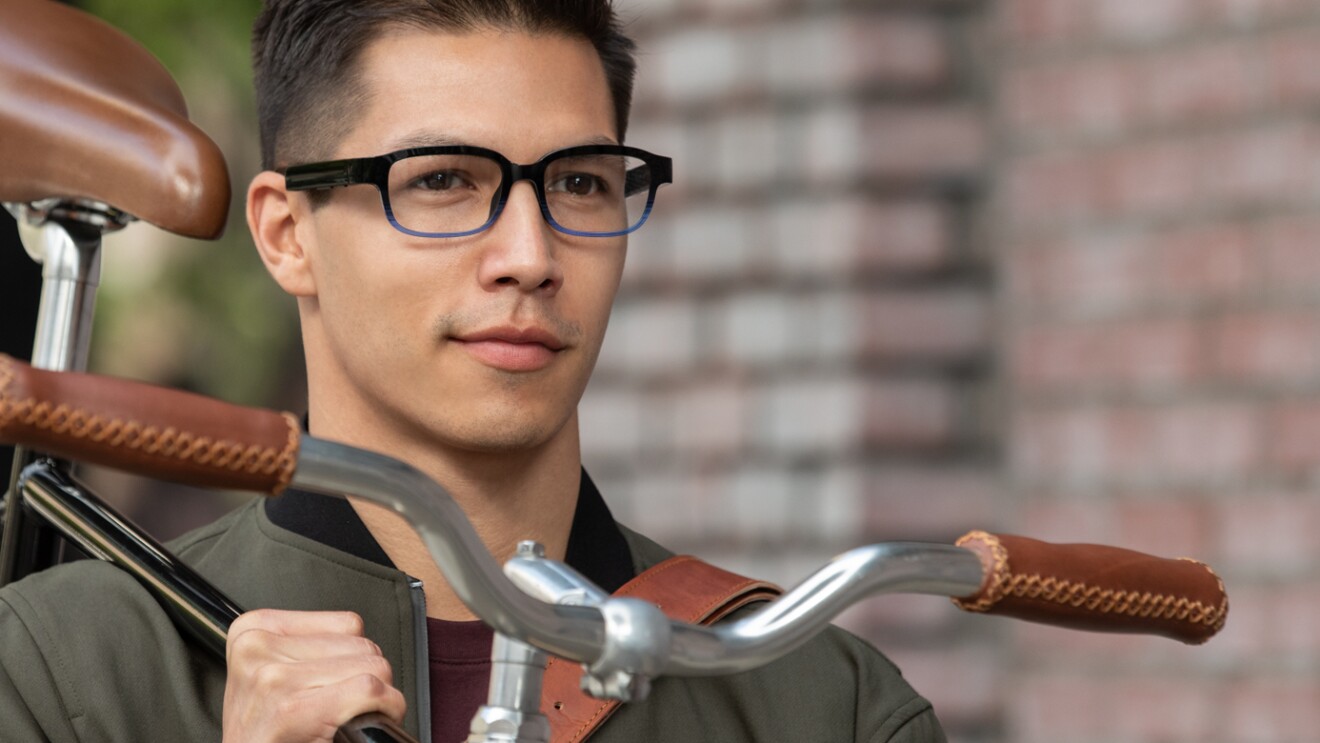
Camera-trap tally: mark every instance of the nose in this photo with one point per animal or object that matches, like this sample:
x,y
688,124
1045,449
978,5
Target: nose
x,y
519,247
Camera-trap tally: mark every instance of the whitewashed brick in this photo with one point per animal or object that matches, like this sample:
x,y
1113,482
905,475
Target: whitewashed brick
x,y
648,336
821,415
830,145
806,56
829,322
610,423
649,249
713,242
816,238
829,505
761,502
747,150
759,328
668,508
709,418
699,64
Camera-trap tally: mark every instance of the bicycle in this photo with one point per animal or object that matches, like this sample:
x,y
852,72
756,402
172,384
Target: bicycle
x,y
537,606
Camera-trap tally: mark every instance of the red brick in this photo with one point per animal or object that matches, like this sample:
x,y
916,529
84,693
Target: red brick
x,y
1170,525
909,235
840,52
1184,443
1273,709
1071,706
1116,94
1154,353
908,52
1294,429
1131,272
1126,23
1293,57
918,413
1268,533
1038,22
1273,347
950,324
1291,261
937,503
1175,176
924,142
709,418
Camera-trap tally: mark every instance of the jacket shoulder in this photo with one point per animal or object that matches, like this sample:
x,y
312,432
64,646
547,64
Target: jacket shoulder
x,y
77,635
836,687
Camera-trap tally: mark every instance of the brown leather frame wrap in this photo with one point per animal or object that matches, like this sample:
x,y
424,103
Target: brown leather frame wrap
x,y
148,430
1095,587
684,588
88,113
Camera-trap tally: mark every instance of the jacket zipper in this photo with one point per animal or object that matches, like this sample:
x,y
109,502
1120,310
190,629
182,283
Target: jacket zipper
x,y
422,661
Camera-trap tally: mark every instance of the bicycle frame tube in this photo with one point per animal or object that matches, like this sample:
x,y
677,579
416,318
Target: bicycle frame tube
x,y
202,611
70,253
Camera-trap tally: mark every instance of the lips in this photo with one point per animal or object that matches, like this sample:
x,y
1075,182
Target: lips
x,y
512,349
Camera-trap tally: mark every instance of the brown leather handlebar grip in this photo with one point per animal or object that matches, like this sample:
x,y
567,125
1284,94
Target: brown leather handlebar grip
x,y
148,430
1095,587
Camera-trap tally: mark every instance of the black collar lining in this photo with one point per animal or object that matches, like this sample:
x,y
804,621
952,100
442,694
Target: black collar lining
x,y
596,546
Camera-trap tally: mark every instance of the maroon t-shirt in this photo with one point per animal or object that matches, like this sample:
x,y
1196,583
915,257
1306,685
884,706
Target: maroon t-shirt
x,y
460,676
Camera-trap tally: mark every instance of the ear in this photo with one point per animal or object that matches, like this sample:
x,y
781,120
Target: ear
x,y
273,215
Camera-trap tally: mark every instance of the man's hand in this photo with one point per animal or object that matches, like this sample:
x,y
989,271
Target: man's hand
x,y
297,676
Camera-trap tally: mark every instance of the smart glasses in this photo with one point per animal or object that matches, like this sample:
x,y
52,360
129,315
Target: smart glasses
x,y
456,191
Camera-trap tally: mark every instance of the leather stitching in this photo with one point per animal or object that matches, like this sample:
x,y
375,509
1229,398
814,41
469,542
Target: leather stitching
x,y
289,457
7,411
163,443
996,573
1078,594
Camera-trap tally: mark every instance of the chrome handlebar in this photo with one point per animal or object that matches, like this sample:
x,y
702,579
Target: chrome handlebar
x,y
653,644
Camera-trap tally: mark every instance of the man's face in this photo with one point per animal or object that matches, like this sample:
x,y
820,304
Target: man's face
x,y
483,343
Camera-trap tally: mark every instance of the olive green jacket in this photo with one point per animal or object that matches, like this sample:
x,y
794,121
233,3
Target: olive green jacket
x,y
87,655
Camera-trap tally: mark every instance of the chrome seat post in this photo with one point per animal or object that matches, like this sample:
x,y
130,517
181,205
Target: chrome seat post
x,y
65,237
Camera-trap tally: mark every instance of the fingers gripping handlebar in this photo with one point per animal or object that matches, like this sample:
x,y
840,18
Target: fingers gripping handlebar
x,y
184,437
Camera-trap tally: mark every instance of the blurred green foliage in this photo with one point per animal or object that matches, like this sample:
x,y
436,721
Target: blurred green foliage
x,y
207,317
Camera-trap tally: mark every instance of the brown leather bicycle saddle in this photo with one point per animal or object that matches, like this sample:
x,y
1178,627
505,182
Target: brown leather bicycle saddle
x,y
88,113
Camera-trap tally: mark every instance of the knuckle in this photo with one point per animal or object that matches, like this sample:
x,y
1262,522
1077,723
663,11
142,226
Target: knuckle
x,y
380,668
269,677
364,646
371,686
352,623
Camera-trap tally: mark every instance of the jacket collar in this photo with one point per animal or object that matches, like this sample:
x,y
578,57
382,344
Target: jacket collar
x,y
596,547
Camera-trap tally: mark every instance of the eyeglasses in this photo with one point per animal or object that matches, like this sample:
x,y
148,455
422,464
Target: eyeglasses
x,y
456,191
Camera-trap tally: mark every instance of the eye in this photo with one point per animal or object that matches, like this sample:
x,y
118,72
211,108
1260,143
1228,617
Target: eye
x,y
578,184
440,180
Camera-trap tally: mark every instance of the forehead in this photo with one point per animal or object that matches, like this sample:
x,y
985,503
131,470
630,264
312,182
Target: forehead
x,y
518,93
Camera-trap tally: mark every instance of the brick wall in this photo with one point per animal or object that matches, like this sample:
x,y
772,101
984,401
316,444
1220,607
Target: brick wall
x,y
800,359
1048,266
1156,218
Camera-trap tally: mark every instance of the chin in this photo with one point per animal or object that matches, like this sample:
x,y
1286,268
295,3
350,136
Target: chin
x,y
505,435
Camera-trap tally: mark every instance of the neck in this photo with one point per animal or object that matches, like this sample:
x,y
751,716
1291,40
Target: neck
x,y
508,497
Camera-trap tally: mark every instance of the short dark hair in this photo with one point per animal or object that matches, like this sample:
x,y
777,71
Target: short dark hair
x,y
305,57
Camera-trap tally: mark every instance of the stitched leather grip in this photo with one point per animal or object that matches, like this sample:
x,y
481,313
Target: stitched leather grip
x,y
1094,587
152,431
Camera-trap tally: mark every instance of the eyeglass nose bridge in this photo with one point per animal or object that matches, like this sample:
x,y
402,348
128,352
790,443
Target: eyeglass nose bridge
x,y
512,173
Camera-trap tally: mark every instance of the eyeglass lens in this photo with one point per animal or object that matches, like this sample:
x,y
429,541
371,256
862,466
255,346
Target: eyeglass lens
x,y
458,193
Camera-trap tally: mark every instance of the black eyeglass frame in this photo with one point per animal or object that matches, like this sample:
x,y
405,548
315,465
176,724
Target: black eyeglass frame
x,y
376,171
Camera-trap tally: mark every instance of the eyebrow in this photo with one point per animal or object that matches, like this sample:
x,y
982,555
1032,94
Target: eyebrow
x,y
432,139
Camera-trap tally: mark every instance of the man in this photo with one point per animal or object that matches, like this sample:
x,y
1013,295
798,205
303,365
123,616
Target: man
x,y
451,316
